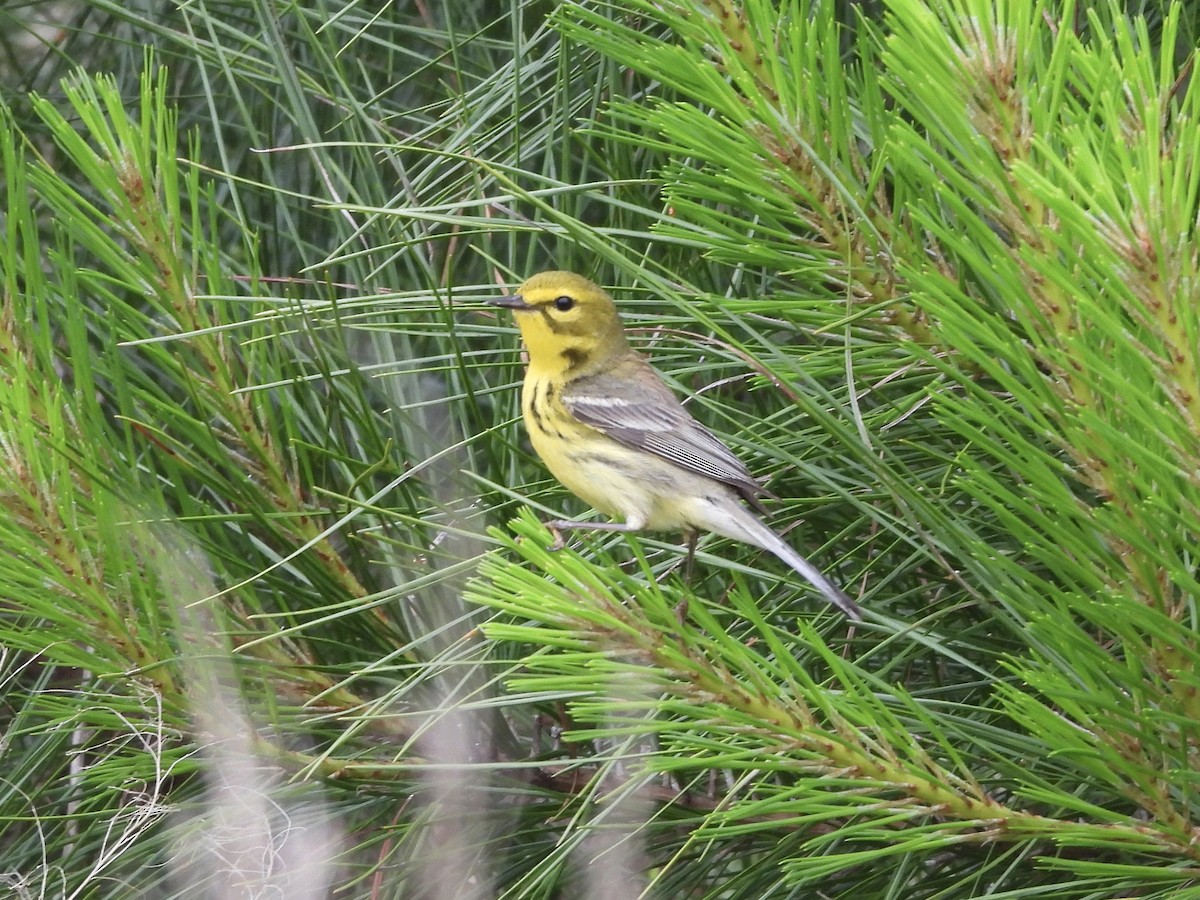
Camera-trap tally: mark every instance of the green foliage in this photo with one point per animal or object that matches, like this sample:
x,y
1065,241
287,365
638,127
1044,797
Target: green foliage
x,y
278,614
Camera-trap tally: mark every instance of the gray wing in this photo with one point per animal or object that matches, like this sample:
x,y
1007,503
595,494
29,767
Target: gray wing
x,y
643,413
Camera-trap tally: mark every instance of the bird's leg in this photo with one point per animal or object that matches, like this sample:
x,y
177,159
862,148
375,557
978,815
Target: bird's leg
x,y
557,526
681,608
692,537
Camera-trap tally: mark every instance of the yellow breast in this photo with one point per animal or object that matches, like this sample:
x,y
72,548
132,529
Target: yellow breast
x,y
619,481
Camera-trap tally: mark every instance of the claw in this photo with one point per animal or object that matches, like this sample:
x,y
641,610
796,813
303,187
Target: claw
x,y
559,541
681,611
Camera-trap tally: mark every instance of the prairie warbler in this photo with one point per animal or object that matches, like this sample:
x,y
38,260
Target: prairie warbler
x,y
611,431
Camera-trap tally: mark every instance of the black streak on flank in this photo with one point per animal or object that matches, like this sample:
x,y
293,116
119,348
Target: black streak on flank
x,y
535,407
539,409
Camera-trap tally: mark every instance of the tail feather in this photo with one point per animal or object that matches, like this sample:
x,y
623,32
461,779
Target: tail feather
x,y
730,519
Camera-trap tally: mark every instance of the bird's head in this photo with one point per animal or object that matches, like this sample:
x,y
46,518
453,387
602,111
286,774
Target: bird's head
x,y
569,324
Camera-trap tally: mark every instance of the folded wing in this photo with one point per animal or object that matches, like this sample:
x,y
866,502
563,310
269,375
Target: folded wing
x,y
642,412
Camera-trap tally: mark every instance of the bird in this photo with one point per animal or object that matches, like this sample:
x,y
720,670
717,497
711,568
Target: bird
x,y
613,433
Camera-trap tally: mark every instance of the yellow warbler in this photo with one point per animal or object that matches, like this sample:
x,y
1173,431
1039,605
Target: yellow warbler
x,y
611,431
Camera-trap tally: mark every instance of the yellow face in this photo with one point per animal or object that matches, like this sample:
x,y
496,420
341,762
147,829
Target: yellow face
x,y
567,322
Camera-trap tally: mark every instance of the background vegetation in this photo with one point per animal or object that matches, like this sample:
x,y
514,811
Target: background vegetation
x,y
277,615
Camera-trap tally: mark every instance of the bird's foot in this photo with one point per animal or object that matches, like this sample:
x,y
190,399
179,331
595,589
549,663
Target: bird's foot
x,y
556,531
681,611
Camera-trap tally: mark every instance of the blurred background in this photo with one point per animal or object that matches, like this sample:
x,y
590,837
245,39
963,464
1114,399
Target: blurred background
x,y
277,616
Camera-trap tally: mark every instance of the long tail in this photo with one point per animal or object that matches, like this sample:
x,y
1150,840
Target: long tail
x,y
732,520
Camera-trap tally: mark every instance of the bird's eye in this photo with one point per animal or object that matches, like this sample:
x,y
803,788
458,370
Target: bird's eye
x,y
562,304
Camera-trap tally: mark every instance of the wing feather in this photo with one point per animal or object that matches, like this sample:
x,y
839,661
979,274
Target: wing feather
x,y
632,405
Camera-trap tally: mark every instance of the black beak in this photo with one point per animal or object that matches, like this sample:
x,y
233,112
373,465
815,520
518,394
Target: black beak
x,y
516,301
